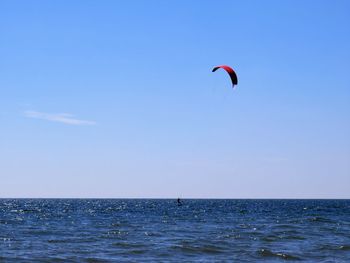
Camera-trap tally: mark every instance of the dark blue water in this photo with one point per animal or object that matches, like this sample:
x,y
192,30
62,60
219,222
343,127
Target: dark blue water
x,y
116,230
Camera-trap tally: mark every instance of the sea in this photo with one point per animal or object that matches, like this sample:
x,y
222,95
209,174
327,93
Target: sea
x,y
163,230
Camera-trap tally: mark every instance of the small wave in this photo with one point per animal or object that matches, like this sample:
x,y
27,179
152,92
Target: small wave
x,y
137,251
345,247
294,238
273,238
31,210
291,225
320,219
95,260
334,248
208,249
57,241
128,245
269,254
270,238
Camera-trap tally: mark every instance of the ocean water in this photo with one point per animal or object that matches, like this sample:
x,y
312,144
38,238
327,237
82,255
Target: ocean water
x,y
148,230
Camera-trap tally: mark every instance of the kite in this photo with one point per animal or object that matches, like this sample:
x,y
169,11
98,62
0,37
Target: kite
x,y
230,71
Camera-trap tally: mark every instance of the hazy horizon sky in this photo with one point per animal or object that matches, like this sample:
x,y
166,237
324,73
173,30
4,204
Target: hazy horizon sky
x,y
117,99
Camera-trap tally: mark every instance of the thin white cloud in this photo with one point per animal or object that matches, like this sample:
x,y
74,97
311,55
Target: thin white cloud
x,y
58,117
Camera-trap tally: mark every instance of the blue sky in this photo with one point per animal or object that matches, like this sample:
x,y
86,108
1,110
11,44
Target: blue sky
x,y
117,99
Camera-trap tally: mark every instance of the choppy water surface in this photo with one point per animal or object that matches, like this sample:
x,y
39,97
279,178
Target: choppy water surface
x,y
110,230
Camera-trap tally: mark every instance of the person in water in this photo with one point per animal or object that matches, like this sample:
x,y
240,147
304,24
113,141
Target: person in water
x,y
179,201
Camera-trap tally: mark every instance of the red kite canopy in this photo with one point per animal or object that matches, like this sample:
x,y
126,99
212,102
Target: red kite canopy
x,y
230,71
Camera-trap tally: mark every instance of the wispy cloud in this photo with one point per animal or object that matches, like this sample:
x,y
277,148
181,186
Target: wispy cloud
x,y
57,117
